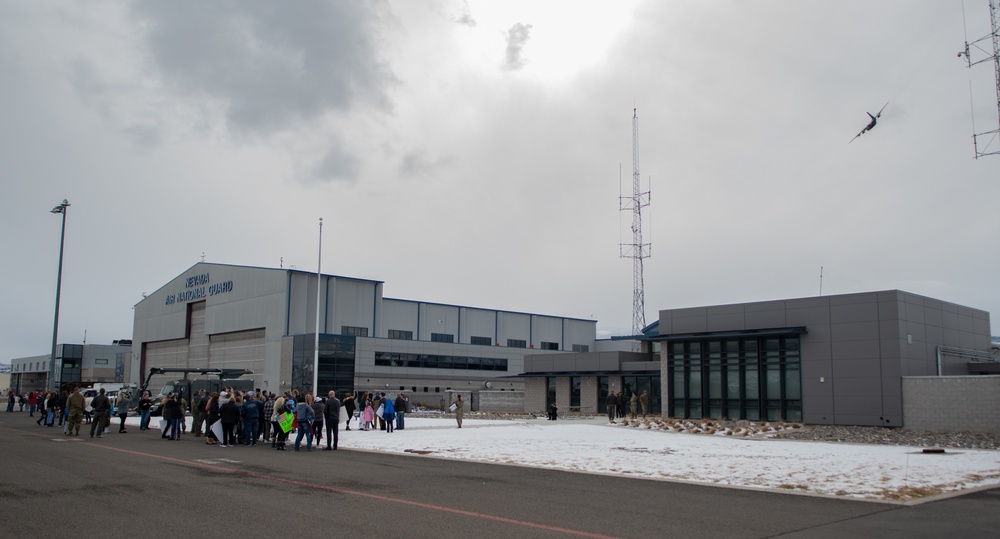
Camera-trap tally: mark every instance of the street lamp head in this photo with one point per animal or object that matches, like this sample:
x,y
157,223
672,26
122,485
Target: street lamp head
x,y
62,207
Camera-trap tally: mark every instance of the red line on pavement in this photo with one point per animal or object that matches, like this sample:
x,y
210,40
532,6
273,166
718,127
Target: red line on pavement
x,y
327,488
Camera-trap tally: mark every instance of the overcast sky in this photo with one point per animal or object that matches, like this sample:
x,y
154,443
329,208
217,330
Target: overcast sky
x,y
470,152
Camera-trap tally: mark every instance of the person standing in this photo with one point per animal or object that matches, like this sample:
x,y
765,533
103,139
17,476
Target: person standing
x,y
213,418
376,403
199,412
145,406
401,404
229,414
388,413
10,400
172,413
266,416
644,402
32,403
304,417
264,420
51,409
281,407
612,403
332,412
75,404
42,397
61,407
634,405
459,409
350,404
369,415
250,412
318,415
182,408
122,407
101,406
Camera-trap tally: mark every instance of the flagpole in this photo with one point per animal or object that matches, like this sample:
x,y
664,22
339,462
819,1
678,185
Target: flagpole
x,y
319,280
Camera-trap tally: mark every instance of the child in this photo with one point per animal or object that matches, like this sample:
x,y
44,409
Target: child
x,y
369,415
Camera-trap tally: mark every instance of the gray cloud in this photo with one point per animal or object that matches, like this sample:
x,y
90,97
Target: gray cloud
x,y
416,163
465,17
270,64
517,36
337,165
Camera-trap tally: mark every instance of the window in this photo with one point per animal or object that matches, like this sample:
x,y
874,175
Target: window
x,y
354,331
438,361
485,341
550,345
574,391
581,348
442,337
517,343
401,334
100,362
748,378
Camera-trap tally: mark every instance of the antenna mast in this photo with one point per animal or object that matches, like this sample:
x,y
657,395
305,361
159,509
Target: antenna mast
x,y
992,143
637,250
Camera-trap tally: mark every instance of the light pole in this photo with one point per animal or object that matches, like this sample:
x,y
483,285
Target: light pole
x,y
62,208
319,280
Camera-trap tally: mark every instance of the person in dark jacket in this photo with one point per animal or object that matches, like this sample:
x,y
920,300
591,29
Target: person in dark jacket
x,y
318,414
250,411
61,407
213,418
350,405
401,404
101,406
612,403
229,414
172,414
331,411
145,407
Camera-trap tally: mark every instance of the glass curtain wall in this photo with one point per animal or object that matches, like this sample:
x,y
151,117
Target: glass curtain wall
x,y
574,391
640,384
550,392
602,395
336,363
740,378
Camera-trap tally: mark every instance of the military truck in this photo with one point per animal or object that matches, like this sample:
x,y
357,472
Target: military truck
x,y
187,387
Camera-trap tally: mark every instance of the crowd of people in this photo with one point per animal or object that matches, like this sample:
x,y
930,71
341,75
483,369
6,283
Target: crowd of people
x,y
620,406
226,418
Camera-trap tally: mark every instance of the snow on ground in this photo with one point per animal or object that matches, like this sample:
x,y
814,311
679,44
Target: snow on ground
x,y
871,472
876,472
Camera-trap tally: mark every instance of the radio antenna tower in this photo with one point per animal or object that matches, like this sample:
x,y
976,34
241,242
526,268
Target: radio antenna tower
x,y
991,146
637,250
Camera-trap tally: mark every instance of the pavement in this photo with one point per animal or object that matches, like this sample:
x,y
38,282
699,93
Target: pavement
x,y
138,483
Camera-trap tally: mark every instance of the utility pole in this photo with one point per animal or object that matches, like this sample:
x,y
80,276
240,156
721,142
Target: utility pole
x,y
60,209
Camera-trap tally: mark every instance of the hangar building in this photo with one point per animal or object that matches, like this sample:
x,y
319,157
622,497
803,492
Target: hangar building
x,y
264,319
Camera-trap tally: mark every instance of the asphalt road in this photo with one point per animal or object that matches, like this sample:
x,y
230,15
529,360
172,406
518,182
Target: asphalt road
x,y
137,483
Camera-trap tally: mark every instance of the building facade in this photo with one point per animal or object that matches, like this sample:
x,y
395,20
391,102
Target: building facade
x,y
74,363
822,360
837,360
265,320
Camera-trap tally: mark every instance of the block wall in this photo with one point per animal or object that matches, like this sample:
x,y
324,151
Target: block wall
x,y
952,403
